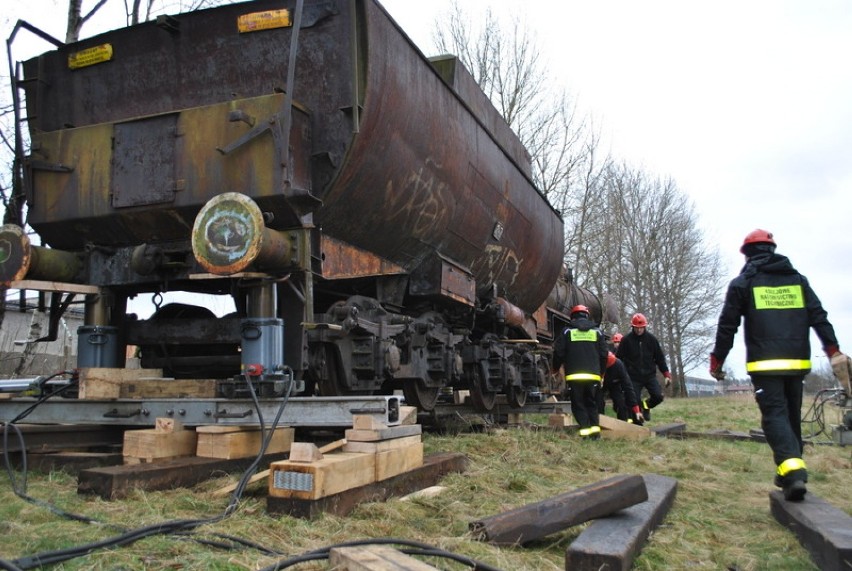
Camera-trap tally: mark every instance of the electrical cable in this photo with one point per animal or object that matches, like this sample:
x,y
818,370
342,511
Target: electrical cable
x,y
171,527
815,415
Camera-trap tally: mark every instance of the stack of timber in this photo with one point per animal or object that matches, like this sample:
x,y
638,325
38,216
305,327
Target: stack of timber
x,y
376,462
109,384
373,452
170,455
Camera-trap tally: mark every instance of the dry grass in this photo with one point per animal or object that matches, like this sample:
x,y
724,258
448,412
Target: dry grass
x,y
720,519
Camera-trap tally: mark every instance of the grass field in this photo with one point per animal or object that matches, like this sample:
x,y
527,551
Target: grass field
x,y
720,519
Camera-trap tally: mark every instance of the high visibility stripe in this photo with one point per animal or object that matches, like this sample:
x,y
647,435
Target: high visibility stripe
x,y
778,365
582,377
589,431
790,465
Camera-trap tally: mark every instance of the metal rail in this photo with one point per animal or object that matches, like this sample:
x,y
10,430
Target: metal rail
x,y
299,411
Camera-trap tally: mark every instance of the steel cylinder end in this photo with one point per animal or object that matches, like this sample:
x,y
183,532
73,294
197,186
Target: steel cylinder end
x,y
227,235
15,254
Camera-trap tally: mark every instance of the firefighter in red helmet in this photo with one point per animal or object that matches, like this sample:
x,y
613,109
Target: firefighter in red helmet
x,y
642,355
620,388
582,353
777,308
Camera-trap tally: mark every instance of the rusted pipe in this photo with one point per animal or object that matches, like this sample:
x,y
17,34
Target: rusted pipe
x,y
19,259
229,236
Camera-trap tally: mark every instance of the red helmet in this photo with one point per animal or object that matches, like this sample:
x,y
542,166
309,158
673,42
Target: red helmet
x,y
757,237
617,337
639,320
579,309
610,359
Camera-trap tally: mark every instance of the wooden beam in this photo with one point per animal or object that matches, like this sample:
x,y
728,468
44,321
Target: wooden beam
x,y
263,474
435,467
535,521
374,558
824,530
115,482
613,542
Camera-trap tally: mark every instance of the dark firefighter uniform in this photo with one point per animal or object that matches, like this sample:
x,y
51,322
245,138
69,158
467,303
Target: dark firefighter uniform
x,y
778,308
643,355
620,388
581,350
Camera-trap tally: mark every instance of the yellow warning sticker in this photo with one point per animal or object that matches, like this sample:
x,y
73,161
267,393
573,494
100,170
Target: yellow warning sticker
x,y
267,20
90,56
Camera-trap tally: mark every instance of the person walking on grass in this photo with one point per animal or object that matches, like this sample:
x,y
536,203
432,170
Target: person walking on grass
x,y
778,308
581,353
643,356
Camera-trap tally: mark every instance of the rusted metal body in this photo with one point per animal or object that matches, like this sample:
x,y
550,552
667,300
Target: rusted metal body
x,y
381,193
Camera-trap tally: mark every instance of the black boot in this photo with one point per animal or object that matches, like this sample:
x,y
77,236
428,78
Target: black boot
x,y
795,491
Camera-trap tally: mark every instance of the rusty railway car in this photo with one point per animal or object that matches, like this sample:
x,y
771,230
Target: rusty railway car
x,y
367,208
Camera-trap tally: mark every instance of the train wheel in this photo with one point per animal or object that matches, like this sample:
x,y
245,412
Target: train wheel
x,y
418,394
517,397
483,400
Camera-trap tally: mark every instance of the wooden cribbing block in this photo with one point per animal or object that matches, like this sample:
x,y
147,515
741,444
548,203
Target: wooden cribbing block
x,y
373,435
334,473
374,558
559,420
614,541
225,490
152,444
535,521
435,467
113,383
408,415
614,428
167,425
229,442
105,383
393,462
459,397
824,530
366,422
304,452
380,445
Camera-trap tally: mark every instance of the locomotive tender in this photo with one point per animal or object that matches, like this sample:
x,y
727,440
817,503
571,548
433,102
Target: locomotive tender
x,y
370,212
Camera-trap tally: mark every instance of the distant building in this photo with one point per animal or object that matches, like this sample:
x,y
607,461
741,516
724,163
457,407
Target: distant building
x,y
26,321
698,387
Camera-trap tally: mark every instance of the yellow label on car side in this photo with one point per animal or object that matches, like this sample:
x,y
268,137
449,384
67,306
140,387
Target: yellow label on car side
x,y
267,20
90,56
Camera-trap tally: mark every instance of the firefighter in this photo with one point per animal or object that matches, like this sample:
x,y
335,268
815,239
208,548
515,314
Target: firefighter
x,y
643,355
778,308
581,352
620,388
616,341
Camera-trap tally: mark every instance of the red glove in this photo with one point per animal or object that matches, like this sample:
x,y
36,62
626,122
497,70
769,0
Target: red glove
x,y
637,414
831,350
716,368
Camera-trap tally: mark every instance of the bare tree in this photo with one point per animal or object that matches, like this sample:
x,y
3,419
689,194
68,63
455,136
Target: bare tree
x,y
667,271
509,69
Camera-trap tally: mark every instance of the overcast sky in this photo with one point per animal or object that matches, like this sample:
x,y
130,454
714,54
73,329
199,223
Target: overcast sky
x,y
746,104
